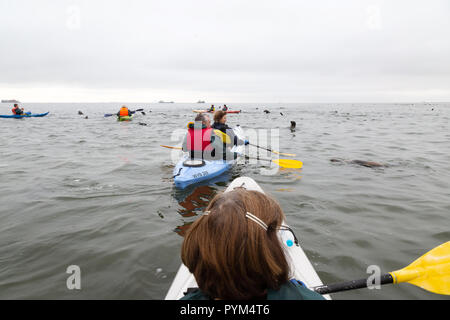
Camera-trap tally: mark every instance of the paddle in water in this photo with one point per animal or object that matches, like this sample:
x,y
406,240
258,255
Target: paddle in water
x,y
284,163
169,147
430,272
276,152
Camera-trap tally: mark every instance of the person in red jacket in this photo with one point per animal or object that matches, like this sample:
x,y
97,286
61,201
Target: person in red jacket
x,y
16,110
198,138
203,143
124,112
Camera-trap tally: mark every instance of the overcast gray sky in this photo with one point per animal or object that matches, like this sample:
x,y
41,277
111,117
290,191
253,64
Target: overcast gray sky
x,y
225,50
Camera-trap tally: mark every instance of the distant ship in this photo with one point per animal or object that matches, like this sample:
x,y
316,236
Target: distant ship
x,y
200,101
10,101
161,101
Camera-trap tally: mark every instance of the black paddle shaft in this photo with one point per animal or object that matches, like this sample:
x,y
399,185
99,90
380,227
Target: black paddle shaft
x,y
257,158
255,145
351,285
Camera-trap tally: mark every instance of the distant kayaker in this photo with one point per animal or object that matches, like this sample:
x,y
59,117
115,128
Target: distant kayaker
x,y
124,112
16,110
224,108
203,143
234,252
220,119
212,109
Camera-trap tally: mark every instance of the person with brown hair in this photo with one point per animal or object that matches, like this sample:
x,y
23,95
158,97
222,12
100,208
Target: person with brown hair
x,y
234,251
220,119
203,143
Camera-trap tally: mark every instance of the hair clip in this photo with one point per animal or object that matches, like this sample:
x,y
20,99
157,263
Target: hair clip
x,y
249,216
257,220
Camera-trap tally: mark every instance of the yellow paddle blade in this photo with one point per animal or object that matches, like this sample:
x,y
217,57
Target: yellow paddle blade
x,y
430,272
287,163
178,148
223,136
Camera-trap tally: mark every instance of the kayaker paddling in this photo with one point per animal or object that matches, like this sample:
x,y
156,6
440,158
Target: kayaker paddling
x,y
234,251
200,164
220,123
202,142
16,110
124,112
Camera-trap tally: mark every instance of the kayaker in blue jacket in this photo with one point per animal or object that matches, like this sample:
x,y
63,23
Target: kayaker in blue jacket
x,y
234,251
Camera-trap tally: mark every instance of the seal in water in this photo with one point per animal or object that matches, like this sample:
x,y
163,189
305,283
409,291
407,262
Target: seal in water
x,y
368,164
293,125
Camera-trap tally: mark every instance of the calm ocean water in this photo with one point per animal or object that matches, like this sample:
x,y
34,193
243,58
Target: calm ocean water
x,y
99,194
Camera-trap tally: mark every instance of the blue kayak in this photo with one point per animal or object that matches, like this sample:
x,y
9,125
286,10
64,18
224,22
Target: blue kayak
x,y
25,115
186,175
